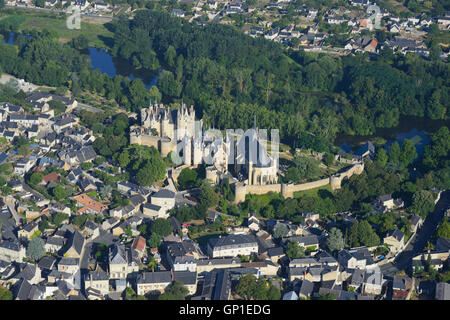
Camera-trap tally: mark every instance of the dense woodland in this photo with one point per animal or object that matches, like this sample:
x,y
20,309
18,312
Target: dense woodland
x,y
230,77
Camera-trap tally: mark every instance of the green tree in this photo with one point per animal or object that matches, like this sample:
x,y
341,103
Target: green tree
x,y
280,231
86,165
170,56
423,203
381,157
328,160
57,106
39,3
36,249
58,218
59,192
443,230
154,241
362,234
99,160
161,226
274,293
187,178
335,240
246,286
394,152
5,293
408,152
106,191
294,250
208,197
176,291
435,109
154,94
36,178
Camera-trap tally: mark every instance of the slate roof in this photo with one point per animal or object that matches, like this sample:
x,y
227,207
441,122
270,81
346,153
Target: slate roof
x,y
117,255
185,277
47,262
76,242
232,240
164,193
154,277
291,295
276,251
97,275
396,234
69,261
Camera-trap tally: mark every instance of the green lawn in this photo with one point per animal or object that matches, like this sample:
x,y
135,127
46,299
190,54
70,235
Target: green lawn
x,y
97,34
312,192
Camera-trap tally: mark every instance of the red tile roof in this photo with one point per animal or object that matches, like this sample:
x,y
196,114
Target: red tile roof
x,y
138,244
90,203
51,177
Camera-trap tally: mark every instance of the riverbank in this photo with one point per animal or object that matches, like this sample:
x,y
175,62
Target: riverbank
x,y
414,128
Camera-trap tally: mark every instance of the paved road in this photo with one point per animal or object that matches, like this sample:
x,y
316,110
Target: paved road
x,y
417,245
11,206
88,108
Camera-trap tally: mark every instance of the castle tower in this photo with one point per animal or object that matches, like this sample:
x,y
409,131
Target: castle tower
x,y
197,151
187,150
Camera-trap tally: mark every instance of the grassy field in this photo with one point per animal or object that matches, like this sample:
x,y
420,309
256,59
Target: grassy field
x,y
443,38
97,34
312,192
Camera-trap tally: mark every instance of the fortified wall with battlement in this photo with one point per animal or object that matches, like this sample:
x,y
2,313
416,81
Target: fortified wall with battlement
x,y
288,190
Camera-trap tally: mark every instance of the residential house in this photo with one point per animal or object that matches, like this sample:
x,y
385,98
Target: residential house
x,y
151,282
395,239
306,289
291,295
28,230
75,246
88,204
188,279
51,177
54,244
416,223
98,280
164,198
401,286
69,265
373,282
207,265
122,262
216,286
11,250
91,230
139,244
232,246
181,256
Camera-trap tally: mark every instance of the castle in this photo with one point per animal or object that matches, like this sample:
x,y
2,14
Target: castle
x,y
175,130
244,154
162,127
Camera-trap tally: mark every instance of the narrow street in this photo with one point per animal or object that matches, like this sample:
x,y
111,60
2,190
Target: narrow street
x,y
403,261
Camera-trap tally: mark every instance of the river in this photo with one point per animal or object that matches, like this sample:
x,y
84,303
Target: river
x,y
416,129
106,63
